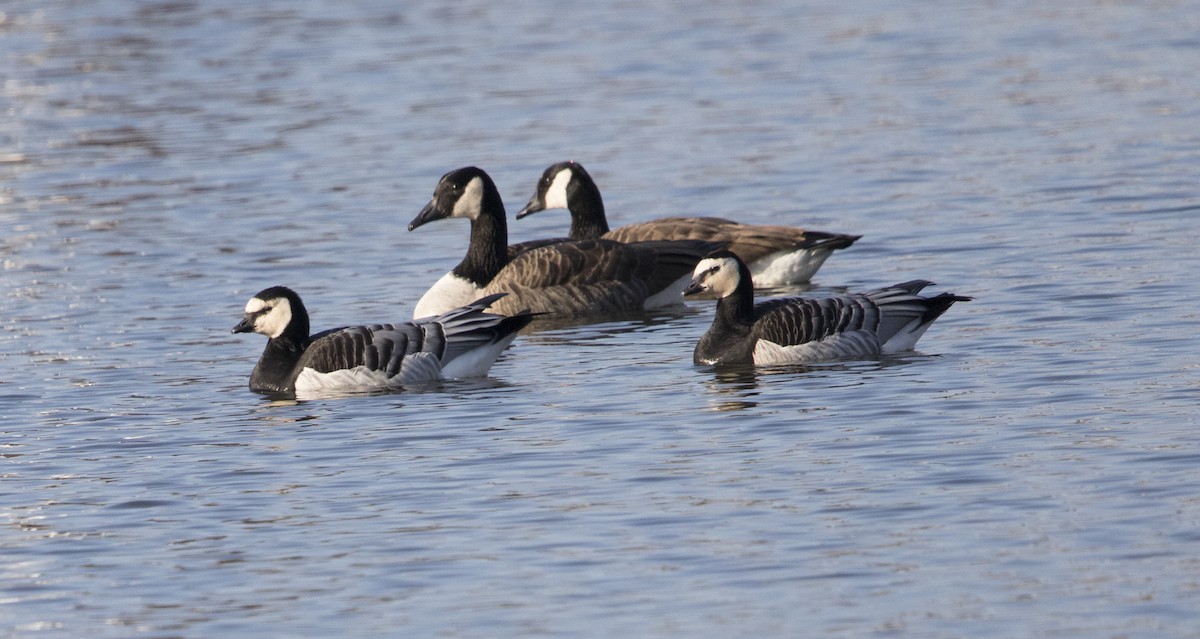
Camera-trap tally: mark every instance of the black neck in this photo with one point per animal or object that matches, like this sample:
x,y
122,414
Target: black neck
x,y
729,340
588,221
276,369
738,308
736,312
488,251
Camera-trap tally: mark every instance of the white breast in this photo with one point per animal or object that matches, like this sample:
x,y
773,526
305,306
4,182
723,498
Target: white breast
x,y
446,294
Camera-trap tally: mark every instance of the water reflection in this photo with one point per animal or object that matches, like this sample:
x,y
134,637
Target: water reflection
x,y
157,157
440,386
259,412
560,330
737,384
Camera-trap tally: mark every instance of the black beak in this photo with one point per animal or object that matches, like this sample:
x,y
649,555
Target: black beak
x,y
693,288
533,206
244,326
430,213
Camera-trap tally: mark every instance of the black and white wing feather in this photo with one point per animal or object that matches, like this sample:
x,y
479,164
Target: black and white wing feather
x,y
801,329
885,320
460,343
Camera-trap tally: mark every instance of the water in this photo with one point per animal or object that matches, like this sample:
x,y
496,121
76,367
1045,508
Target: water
x,y
1030,472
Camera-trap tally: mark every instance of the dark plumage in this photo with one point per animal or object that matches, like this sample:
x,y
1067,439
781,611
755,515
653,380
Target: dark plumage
x,y
777,255
563,278
798,330
463,342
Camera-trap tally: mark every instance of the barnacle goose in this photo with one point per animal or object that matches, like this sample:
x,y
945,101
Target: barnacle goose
x,y
799,330
777,255
463,342
563,278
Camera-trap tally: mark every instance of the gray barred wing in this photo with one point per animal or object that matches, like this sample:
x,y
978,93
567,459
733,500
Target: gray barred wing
x,y
788,322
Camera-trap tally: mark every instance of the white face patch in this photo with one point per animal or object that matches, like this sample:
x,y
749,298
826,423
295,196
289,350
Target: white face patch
x,y
718,275
274,316
556,195
255,305
470,203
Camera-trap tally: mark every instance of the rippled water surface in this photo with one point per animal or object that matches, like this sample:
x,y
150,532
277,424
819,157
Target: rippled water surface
x,y
1032,471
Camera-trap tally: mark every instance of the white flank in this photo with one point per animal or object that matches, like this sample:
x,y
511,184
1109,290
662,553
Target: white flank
x,y
788,267
906,338
556,195
476,362
359,379
446,294
418,367
843,345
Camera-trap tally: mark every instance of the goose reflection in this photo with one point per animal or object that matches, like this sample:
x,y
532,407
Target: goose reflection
x,y
734,386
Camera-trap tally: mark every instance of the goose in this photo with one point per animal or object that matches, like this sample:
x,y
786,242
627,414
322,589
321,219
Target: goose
x,y
563,278
777,255
800,330
463,342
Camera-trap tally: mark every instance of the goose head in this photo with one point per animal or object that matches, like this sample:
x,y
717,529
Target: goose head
x,y
720,274
558,183
274,312
460,193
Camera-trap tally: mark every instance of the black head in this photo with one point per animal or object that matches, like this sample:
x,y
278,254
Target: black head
x,y
720,273
467,192
561,186
274,312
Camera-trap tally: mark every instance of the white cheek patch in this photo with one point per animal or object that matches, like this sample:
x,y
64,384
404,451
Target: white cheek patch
x,y
722,281
556,195
274,321
470,203
704,265
725,281
255,305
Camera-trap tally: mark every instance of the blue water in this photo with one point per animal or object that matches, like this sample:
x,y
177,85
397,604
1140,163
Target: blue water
x,y
1031,471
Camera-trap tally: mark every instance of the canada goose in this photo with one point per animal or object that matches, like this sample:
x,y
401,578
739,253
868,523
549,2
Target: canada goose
x,y
565,279
798,330
777,255
463,342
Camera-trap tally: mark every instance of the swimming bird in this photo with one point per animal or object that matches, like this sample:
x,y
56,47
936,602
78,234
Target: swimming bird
x,y
463,342
564,278
777,255
800,330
